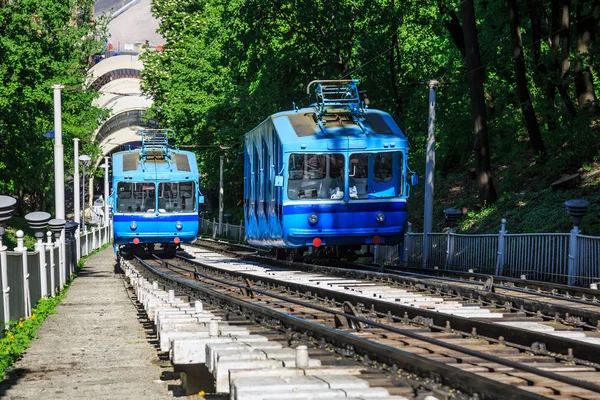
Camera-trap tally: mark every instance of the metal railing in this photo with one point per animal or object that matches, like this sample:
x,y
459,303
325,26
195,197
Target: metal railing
x,y
567,258
33,275
227,231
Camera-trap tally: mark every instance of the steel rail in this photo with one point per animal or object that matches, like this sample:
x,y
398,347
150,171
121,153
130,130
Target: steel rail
x,y
549,309
494,359
500,286
467,382
516,281
438,272
511,334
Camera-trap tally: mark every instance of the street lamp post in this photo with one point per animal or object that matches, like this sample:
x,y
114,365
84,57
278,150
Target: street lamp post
x,y
59,167
106,194
59,161
221,195
85,160
76,204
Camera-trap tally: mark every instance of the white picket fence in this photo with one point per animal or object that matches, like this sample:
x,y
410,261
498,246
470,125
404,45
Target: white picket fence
x,y
28,275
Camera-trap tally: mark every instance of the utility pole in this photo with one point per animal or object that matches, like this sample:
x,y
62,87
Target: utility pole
x,y
59,162
221,195
85,160
106,194
76,205
59,167
429,174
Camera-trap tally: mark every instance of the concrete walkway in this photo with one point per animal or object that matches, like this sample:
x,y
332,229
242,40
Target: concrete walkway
x,y
94,347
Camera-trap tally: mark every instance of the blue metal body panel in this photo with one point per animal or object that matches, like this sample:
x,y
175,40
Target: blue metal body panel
x,y
275,220
344,224
155,228
158,226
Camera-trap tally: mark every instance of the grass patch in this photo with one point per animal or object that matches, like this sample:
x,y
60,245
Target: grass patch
x,y
526,200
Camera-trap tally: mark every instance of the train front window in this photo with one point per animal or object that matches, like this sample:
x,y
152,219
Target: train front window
x,y
136,197
310,175
176,197
385,171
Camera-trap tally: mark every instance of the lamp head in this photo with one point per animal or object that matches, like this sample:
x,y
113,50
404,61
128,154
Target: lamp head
x,y
56,226
452,215
576,209
38,221
84,159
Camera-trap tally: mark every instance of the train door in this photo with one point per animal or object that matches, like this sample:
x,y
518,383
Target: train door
x,y
247,180
263,189
278,177
252,176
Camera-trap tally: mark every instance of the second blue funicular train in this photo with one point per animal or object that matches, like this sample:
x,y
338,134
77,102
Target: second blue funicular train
x,y
155,196
331,175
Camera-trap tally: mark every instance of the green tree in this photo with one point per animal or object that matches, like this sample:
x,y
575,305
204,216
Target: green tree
x,y
42,42
228,65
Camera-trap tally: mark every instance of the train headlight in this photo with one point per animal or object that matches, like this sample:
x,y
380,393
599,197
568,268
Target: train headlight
x,y
380,217
313,219
179,226
133,226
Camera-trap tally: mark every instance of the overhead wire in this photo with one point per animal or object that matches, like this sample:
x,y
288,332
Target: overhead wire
x,y
442,82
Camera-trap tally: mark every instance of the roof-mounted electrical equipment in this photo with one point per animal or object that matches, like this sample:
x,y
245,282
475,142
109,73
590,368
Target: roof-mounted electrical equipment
x,y
338,99
155,145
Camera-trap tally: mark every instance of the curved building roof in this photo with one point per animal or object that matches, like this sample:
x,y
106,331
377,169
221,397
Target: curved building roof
x,y
117,79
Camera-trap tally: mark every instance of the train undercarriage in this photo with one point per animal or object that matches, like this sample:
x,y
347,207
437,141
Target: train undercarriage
x,y
308,254
164,250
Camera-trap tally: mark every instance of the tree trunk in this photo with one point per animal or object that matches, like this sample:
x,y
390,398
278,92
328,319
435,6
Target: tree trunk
x,y
541,78
560,30
584,81
458,37
533,128
393,75
565,65
453,26
487,191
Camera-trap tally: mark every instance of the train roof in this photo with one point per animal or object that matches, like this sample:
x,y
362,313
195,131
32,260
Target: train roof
x,y
339,120
301,126
158,164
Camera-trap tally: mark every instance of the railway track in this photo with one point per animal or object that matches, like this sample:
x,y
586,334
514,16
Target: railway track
x,y
454,357
535,307
574,313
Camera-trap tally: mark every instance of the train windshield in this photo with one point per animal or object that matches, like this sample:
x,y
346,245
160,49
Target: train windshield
x,y
329,176
176,197
312,175
376,175
136,197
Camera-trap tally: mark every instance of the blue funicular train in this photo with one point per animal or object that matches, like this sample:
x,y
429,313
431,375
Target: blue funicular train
x,y
332,177
155,196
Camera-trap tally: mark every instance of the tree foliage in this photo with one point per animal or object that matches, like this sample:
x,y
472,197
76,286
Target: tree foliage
x,y
227,65
43,42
